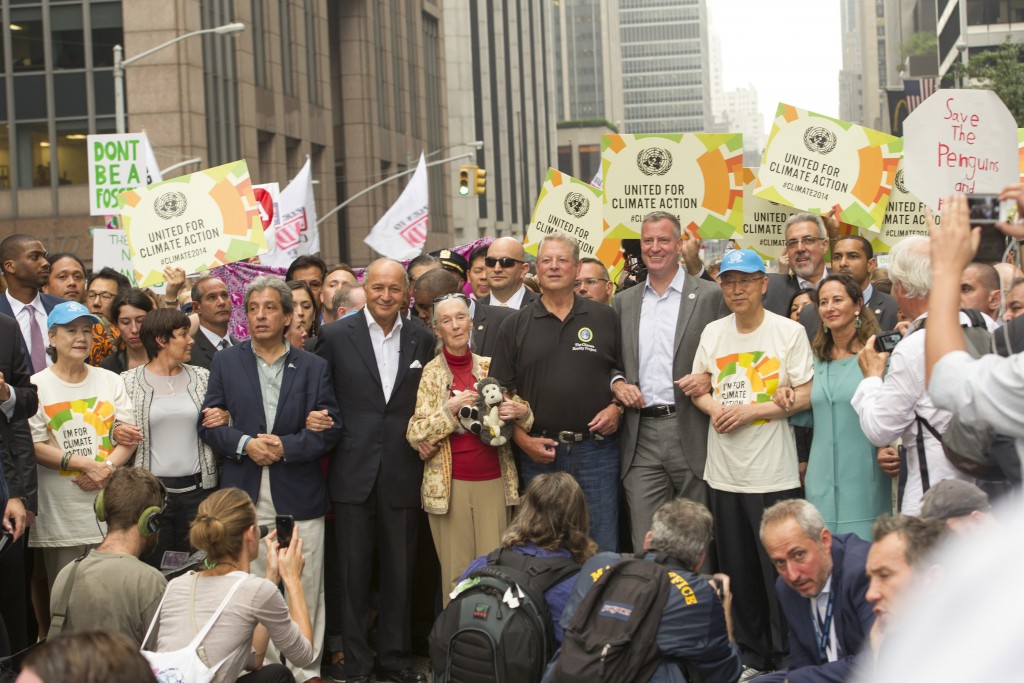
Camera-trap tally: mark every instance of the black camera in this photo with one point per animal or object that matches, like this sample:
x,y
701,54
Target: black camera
x,y
885,342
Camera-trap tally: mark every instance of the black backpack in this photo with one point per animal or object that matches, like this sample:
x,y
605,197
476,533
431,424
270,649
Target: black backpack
x,y
613,634
498,628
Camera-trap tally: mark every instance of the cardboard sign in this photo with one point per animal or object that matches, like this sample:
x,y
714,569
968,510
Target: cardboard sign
x,y
570,206
960,141
763,221
904,217
696,176
110,250
116,163
194,222
819,164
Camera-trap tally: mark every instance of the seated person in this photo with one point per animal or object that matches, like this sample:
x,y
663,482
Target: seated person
x,y
964,507
111,586
696,629
87,657
552,521
821,589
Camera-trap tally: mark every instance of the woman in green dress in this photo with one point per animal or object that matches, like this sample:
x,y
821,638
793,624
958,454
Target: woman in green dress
x,y
843,478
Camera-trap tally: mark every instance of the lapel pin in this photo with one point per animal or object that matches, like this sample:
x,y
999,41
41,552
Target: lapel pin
x,y
692,296
480,327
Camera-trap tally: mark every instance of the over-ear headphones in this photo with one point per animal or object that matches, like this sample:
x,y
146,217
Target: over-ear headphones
x,y
149,520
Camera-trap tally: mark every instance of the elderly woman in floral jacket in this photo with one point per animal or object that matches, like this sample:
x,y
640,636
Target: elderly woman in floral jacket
x,y
468,486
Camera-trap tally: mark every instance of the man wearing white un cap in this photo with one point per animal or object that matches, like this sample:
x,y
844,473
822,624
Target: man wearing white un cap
x,y
761,368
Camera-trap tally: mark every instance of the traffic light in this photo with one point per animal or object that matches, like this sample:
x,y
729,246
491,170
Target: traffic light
x,y
480,181
466,175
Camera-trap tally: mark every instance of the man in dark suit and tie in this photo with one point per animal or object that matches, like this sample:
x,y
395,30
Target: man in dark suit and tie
x,y
269,388
664,436
211,302
822,590
23,258
486,319
854,255
806,245
506,267
377,358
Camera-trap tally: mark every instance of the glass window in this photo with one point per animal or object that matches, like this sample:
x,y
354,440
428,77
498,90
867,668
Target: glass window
x,y
68,37
259,48
27,39
107,32
5,156
103,89
72,153
33,155
287,63
590,161
565,159
3,97
30,97
72,94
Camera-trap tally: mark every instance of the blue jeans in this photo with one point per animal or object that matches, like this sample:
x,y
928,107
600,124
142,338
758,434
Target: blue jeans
x,y
595,465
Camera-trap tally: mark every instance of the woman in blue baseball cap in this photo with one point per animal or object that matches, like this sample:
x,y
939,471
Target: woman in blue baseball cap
x,y
78,405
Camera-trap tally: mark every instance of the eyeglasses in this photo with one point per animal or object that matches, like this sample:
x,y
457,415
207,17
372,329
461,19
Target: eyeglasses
x,y
504,261
807,241
740,282
445,297
588,281
102,296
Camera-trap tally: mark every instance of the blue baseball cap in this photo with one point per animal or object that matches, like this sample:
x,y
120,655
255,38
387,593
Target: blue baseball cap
x,y
742,261
67,312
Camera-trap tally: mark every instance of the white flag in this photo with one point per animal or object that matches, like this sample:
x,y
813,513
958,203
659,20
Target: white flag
x,y
295,234
153,174
597,180
402,231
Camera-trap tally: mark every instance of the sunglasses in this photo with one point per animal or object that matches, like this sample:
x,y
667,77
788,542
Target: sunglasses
x,y
504,261
445,297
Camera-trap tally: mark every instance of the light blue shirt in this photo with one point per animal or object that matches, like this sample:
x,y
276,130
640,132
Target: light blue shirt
x,y
658,317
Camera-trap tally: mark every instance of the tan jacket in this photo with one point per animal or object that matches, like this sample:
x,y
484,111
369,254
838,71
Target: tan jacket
x,y
433,422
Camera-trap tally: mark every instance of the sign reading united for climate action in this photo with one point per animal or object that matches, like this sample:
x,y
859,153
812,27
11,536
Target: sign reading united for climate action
x,y
763,221
570,206
820,165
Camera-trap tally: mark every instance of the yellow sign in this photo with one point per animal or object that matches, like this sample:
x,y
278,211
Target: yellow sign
x,y
763,221
569,206
194,222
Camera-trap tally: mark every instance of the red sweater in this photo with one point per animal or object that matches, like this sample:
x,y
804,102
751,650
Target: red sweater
x,y
472,459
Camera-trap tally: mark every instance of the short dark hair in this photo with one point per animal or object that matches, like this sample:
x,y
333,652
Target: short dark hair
x,y
106,273
476,254
53,258
343,297
127,495
306,261
197,292
865,244
436,282
134,297
920,536
11,247
988,276
159,326
596,262
422,260
90,657
341,266
314,324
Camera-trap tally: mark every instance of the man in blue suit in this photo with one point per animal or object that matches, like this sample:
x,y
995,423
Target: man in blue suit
x,y
269,388
23,258
821,589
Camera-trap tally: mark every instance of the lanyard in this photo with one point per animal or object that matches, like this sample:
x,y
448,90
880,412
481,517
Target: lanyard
x,y
822,631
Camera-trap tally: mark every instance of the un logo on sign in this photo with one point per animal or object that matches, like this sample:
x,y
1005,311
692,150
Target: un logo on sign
x,y
576,204
898,183
654,161
820,140
170,205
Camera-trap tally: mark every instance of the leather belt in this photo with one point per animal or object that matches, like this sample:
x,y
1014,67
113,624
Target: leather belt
x,y
658,411
567,437
182,484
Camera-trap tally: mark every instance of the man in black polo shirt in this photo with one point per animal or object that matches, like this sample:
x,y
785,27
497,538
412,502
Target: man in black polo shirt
x,y
559,353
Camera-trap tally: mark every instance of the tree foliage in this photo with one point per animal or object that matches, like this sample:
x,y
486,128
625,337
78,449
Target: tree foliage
x,y
1001,70
921,44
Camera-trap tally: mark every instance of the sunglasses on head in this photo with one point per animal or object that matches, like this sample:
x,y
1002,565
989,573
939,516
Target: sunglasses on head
x,y
504,261
445,297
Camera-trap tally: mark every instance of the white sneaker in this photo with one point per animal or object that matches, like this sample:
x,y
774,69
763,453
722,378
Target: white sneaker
x,y
749,674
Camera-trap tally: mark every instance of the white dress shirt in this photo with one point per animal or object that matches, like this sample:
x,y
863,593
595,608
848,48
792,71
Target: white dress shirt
x,y
819,608
515,301
386,349
24,320
215,338
658,317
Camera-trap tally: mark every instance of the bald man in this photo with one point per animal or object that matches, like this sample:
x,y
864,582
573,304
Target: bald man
x,y
506,267
979,289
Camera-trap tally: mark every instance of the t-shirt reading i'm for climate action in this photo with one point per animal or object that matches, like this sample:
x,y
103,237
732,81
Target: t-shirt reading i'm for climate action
x,y
73,418
747,369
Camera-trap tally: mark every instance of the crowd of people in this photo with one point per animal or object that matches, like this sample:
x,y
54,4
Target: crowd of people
x,y
747,432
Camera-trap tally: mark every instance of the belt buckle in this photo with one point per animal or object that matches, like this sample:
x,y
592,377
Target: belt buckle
x,y
568,437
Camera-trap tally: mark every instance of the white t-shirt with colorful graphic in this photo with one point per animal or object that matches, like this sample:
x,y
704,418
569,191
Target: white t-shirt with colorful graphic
x,y
748,368
76,418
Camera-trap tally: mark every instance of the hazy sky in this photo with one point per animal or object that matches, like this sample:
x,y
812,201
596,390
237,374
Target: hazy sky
x,y
790,50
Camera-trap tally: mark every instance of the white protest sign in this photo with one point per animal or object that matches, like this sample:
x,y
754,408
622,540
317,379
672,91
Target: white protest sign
x,y
959,141
117,163
110,250
763,221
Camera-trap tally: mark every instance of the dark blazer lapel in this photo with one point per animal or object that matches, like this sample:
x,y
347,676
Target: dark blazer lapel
x,y
287,379
631,344
406,345
687,302
361,340
248,361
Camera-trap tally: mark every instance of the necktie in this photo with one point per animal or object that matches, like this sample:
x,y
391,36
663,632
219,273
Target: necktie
x,y
36,347
223,344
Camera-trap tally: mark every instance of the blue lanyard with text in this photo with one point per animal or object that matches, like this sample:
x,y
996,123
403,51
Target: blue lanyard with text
x,y
822,631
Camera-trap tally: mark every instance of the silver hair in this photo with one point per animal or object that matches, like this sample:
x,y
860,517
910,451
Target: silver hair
x,y
910,265
654,216
343,297
275,283
564,239
433,313
806,515
683,529
806,218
